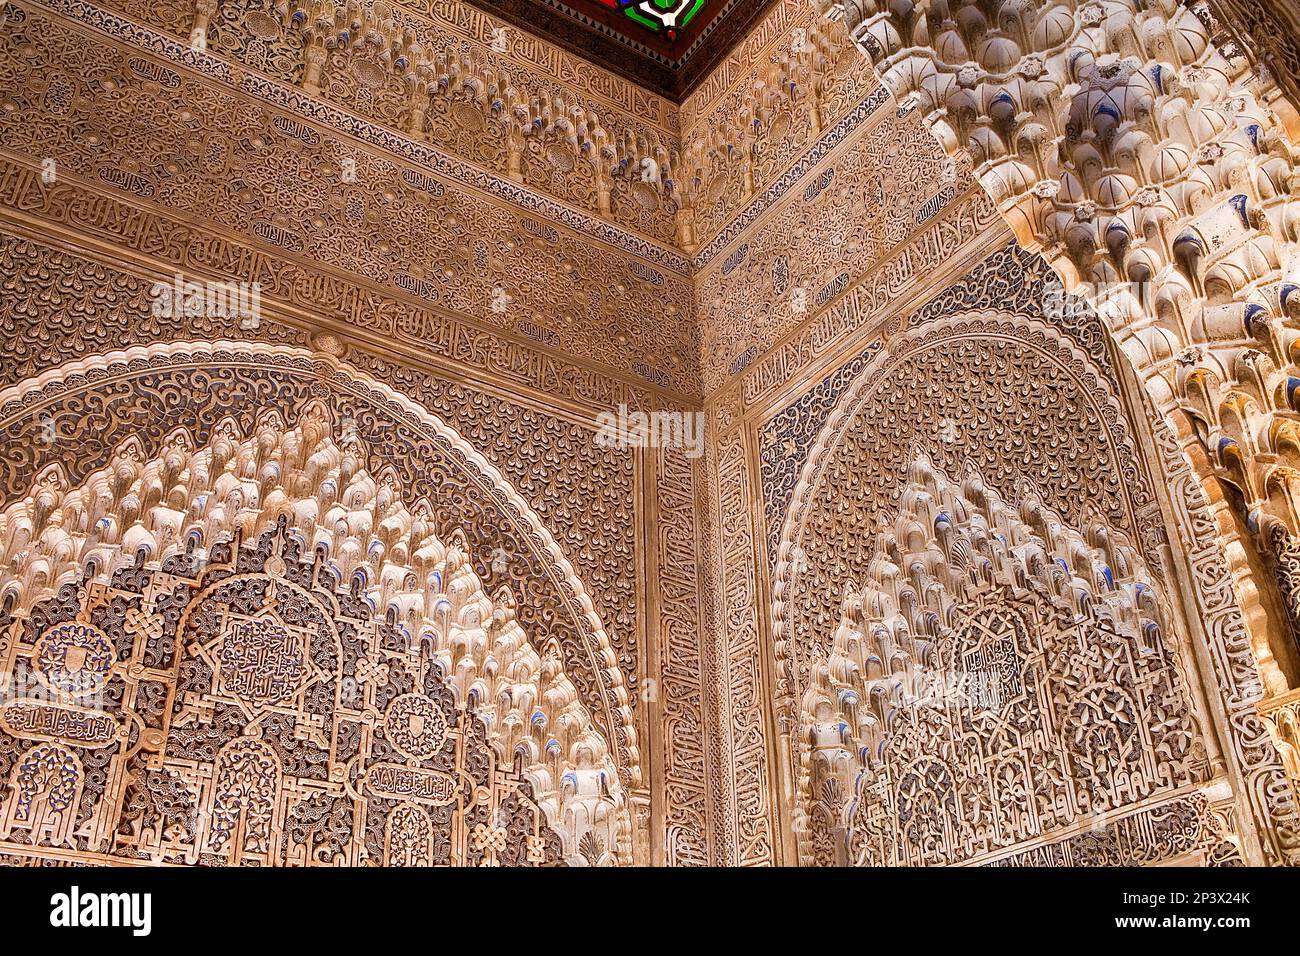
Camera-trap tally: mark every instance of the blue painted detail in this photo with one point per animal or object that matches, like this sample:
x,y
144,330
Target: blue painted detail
x,y
1239,203
1251,311
1292,384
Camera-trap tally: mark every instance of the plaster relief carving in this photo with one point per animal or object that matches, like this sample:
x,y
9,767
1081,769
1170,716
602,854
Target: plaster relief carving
x,y
999,680
281,636
344,574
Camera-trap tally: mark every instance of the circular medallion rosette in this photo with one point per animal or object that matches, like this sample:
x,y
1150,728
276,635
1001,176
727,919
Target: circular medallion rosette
x,y
416,726
74,658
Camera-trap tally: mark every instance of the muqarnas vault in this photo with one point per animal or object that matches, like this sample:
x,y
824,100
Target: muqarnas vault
x,y
973,539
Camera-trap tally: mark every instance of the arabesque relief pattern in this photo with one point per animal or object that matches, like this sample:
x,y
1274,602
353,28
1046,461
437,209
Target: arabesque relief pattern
x,y
484,91
998,346
357,585
293,668
679,693
1132,143
60,305
999,677
739,141
855,320
863,202
742,785
383,245
505,101
504,543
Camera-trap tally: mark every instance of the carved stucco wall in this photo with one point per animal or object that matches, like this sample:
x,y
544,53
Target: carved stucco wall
x,y
955,352
215,171
790,169
228,163
1000,678
145,192
978,378
87,415
289,655
61,306
1136,143
821,227
437,73
978,381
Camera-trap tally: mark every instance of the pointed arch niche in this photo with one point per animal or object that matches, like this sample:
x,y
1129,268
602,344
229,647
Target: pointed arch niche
x,y
981,516
244,597
999,678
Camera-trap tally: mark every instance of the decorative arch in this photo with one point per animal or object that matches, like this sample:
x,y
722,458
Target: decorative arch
x,y
908,365
1080,454
267,590
1164,160
1000,678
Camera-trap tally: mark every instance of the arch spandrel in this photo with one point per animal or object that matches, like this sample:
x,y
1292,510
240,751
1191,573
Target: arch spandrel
x,y
258,579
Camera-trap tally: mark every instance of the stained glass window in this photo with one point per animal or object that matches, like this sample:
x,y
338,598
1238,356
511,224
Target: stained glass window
x,y
665,17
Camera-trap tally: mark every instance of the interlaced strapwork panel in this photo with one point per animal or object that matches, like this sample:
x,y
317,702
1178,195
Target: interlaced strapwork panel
x,y
1002,685
256,653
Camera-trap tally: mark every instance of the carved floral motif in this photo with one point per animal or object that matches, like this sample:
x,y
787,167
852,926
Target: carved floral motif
x,y
298,657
